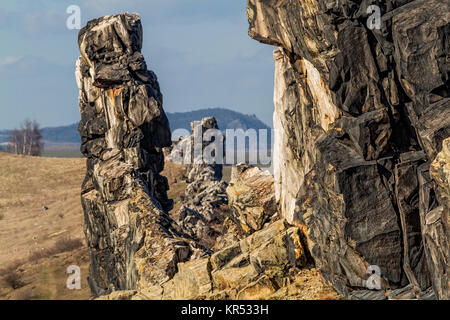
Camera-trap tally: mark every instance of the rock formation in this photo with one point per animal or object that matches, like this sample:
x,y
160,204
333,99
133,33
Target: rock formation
x,y
136,250
257,267
436,222
361,162
361,112
251,197
132,241
205,200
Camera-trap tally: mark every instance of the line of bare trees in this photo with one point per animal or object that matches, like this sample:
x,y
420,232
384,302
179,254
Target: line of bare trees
x,y
27,140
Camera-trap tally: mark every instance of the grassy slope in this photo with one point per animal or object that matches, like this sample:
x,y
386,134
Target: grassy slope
x,y
28,184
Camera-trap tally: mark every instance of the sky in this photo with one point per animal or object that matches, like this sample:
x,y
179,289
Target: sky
x,y
199,49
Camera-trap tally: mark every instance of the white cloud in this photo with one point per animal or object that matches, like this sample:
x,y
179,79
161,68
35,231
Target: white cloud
x,y
10,60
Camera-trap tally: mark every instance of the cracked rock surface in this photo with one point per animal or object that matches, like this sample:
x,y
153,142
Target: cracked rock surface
x,y
133,243
205,200
360,115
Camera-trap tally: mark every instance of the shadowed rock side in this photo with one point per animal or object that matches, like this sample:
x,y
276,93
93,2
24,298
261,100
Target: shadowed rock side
x,y
132,241
359,117
205,200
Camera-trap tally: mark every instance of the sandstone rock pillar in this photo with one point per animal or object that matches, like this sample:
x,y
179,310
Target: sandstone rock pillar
x,y
132,241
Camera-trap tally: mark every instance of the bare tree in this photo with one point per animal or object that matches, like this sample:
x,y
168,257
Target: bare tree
x,y
13,143
27,140
36,144
26,135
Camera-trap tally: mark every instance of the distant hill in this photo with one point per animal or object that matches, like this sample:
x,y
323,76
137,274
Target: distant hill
x,y
53,137
226,119
63,134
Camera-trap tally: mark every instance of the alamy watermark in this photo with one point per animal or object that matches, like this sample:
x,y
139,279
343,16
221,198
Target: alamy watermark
x,y
374,281
212,146
74,280
73,22
374,20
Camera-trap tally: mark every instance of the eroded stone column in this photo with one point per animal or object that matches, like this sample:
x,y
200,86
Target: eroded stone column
x,y
133,243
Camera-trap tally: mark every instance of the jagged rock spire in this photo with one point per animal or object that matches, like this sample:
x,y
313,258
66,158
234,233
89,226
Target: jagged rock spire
x,y
133,243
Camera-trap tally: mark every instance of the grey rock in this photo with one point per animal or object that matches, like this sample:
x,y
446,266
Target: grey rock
x,y
132,241
205,201
358,112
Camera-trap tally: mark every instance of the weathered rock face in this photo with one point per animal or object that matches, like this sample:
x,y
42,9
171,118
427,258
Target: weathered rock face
x,y
436,223
251,197
257,267
205,201
307,104
132,241
274,249
360,115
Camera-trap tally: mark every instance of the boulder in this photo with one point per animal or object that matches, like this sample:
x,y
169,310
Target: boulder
x,y
254,267
251,197
436,223
193,280
265,265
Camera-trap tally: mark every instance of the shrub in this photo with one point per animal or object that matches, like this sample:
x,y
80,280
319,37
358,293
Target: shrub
x,y
37,255
62,245
13,266
65,245
13,278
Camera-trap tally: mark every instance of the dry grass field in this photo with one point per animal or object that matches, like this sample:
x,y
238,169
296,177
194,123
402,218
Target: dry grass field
x,y
40,211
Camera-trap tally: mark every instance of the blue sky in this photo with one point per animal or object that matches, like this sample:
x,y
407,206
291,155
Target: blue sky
x,y
199,49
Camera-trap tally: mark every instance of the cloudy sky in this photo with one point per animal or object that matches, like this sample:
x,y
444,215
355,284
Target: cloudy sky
x,y
199,49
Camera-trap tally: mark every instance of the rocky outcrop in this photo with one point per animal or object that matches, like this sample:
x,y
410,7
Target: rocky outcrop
x,y
302,104
133,243
205,200
360,114
251,197
361,162
436,223
261,266
136,250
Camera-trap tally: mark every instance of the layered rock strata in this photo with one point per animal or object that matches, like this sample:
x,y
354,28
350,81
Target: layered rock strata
x,y
133,243
258,267
205,200
361,112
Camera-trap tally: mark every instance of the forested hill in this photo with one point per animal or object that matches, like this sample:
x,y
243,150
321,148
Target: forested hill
x,y
227,119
